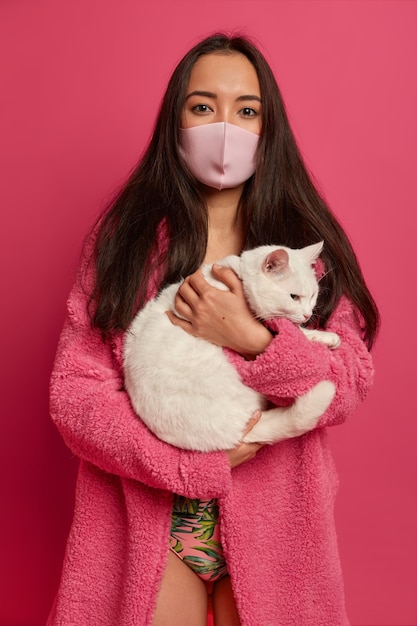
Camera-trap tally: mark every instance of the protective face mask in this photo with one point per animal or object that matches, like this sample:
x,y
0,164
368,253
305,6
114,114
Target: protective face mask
x,y
220,155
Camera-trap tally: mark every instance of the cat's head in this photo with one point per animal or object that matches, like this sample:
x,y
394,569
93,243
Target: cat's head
x,y
280,281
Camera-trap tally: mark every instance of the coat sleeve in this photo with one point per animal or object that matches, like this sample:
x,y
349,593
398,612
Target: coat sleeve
x,y
94,416
292,364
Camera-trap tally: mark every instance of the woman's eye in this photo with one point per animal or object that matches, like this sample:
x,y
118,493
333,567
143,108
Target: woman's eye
x,y
248,112
201,108
294,296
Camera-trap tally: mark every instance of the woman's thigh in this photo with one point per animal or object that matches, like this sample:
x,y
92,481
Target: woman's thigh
x,y
182,598
224,606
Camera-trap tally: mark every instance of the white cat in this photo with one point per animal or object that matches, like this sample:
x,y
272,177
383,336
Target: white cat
x,y
186,390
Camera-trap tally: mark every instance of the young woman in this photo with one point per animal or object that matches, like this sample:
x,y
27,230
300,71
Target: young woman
x,y
222,173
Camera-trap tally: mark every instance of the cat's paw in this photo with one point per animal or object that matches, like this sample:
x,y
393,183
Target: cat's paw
x,y
329,339
332,340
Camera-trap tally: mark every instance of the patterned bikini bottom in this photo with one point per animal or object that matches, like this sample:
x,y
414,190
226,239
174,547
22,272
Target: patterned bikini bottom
x,y
195,537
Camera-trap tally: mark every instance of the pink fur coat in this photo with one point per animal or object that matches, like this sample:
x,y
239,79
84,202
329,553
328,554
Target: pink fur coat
x,y
276,511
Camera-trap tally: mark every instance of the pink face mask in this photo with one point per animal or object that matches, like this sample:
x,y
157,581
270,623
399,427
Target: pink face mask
x,y
220,155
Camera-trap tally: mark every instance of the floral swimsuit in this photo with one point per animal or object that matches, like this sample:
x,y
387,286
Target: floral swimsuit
x,y
195,537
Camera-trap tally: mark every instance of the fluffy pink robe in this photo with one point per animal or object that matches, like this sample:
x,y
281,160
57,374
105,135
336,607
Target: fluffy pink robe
x,y
277,520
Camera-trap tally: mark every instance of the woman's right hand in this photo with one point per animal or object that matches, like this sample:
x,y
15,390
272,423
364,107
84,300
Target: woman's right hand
x,y
219,316
245,451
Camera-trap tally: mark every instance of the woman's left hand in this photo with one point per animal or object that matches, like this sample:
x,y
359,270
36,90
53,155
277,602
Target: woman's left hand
x,y
221,317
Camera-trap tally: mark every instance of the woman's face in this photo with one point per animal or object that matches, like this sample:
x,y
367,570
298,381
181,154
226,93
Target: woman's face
x,y
223,88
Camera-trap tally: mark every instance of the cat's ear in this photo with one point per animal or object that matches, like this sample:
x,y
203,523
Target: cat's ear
x,y
311,253
276,261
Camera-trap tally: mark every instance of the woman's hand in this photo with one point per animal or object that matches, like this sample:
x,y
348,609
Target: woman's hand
x,y
245,451
221,317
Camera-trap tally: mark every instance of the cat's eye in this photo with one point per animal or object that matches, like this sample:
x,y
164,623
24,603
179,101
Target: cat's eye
x,y
294,296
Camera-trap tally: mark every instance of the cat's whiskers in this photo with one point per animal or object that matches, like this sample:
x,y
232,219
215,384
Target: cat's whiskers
x,y
331,269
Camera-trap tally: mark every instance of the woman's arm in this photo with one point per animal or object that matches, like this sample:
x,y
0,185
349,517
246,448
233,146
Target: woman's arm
x,y
93,413
292,364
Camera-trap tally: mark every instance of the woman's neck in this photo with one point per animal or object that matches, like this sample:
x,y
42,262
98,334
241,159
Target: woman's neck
x,y
222,207
225,230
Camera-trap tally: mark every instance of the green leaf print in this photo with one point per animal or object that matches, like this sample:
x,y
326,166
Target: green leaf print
x,y
207,532
177,547
203,567
194,524
214,554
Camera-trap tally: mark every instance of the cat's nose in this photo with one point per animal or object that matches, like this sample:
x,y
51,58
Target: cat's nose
x,y
306,316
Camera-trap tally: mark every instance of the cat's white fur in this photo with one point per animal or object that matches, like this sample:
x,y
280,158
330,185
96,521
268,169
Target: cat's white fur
x,y
186,390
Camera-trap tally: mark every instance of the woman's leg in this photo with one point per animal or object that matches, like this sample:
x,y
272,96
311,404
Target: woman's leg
x,y
224,606
182,598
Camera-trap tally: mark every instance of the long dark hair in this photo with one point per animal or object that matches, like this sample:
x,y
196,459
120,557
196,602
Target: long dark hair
x,y
279,205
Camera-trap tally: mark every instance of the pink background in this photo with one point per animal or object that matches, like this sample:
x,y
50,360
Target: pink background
x,y
80,85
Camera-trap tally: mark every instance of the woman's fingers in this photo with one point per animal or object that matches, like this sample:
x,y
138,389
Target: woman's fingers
x,y
227,276
253,420
245,451
190,292
179,321
197,282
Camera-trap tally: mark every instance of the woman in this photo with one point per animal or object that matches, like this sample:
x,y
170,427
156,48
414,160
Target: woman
x,y
275,503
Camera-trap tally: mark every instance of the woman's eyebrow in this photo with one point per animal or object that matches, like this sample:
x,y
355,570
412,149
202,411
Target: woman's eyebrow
x,y
205,94
210,94
248,97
